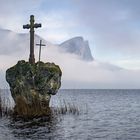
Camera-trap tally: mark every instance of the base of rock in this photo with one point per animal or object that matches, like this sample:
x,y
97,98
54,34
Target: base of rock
x,y
35,109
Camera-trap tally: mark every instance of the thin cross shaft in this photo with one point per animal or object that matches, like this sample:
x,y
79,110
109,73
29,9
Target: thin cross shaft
x,y
40,45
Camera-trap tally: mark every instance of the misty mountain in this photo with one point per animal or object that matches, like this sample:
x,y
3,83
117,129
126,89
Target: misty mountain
x,y
12,42
78,46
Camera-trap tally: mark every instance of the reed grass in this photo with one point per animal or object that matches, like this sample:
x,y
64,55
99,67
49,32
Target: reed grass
x,y
0,107
66,108
36,109
4,109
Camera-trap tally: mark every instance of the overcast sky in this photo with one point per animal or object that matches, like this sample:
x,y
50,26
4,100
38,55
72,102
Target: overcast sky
x,y
112,27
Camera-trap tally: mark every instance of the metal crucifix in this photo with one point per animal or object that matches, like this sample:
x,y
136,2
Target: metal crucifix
x,y
31,26
40,45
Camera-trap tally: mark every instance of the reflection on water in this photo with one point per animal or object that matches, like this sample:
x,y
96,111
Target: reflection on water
x,y
38,128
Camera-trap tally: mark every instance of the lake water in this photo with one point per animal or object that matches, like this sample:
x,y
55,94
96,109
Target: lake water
x,y
104,115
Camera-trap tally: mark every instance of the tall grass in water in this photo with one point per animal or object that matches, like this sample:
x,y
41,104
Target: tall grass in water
x,y
0,107
66,108
5,110
38,108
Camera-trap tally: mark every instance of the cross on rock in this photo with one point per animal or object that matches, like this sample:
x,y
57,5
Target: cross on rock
x,y
31,26
40,45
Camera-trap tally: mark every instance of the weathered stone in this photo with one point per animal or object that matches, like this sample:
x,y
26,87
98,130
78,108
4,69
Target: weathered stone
x,y
39,80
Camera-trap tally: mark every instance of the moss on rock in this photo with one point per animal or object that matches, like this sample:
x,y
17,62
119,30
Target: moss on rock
x,y
38,80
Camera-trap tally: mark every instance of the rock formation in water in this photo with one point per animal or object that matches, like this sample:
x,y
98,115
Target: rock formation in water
x,y
30,81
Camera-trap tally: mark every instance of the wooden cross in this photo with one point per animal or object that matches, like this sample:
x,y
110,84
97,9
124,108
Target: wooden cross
x,y
31,26
40,45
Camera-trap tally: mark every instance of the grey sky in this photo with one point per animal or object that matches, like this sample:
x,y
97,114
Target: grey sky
x,y
111,26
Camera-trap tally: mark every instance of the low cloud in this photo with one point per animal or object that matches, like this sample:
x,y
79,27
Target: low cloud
x,y
76,73
81,74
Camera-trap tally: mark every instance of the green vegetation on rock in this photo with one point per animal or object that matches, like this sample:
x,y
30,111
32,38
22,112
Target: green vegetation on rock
x,y
29,81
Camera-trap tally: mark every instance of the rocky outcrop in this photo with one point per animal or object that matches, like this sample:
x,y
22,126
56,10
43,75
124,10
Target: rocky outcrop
x,y
38,81
79,47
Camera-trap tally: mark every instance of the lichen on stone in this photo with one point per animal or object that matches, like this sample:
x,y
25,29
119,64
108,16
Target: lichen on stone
x,y
34,80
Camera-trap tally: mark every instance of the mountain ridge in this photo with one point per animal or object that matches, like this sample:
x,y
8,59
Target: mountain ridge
x,y
79,46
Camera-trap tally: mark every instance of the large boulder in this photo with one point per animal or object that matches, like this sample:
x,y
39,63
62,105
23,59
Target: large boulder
x,y
31,81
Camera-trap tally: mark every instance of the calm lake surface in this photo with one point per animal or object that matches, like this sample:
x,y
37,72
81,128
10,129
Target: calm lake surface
x,y
104,115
